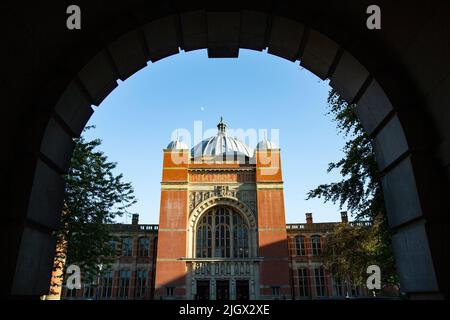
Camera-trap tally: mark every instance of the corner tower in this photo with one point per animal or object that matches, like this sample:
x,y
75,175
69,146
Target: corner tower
x,y
272,237
170,271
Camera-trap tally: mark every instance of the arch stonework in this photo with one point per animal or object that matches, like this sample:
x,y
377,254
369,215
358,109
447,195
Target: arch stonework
x,y
399,80
205,206
235,203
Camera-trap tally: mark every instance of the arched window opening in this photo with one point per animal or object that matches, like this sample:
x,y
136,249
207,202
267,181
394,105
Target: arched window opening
x,y
231,235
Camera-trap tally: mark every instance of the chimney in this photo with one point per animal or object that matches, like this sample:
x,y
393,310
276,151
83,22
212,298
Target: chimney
x,y
344,217
135,219
309,217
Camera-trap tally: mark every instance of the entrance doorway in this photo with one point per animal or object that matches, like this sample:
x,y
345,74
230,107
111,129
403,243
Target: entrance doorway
x,y
222,290
202,290
242,290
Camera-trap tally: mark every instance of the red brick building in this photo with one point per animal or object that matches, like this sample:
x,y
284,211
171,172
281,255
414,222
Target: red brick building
x,y
131,274
222,232
309,280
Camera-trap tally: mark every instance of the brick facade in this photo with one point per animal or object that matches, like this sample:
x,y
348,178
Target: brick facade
x,y
304,282
132,272
306,241
222,231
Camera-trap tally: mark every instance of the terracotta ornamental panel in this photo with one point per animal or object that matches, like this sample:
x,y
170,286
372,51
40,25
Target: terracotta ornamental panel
x,y
218,177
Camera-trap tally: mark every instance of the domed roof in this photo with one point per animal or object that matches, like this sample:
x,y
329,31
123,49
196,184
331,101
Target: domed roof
x,y
177,145
266,145
221,144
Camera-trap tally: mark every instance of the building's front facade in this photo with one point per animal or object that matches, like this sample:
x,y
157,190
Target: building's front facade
x,y
222,233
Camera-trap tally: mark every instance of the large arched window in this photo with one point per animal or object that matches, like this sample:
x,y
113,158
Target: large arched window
x,y
230,231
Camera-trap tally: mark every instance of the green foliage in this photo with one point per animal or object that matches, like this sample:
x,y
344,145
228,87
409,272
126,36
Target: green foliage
x,y
360,189
94,196
350,249
336,258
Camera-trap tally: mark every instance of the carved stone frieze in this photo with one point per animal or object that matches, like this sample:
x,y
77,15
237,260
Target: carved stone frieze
x,y
246,196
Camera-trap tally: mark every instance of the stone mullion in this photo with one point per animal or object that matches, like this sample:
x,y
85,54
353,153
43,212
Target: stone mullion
x,y
233,289
213,234
230,212
115,284
212,289
133,282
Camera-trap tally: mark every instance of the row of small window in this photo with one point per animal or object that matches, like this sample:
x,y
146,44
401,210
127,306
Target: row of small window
x,y
105,289
300,245
127,247
317,281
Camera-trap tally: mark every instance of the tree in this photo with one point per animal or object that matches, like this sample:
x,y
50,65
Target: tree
x,y
350,249
94,197
343,240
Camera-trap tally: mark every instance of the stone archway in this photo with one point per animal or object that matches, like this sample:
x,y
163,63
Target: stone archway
x,y
397,77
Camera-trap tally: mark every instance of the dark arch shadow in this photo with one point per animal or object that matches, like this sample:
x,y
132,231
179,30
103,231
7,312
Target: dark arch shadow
x,y
389,104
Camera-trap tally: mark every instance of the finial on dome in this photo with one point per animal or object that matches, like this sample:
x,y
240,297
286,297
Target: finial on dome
x,y
221,126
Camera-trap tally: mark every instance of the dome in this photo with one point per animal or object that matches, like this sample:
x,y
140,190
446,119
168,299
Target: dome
x,y
221,144
266,145
177,145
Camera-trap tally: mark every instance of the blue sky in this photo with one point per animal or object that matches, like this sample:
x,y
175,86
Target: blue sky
x,y
256,91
